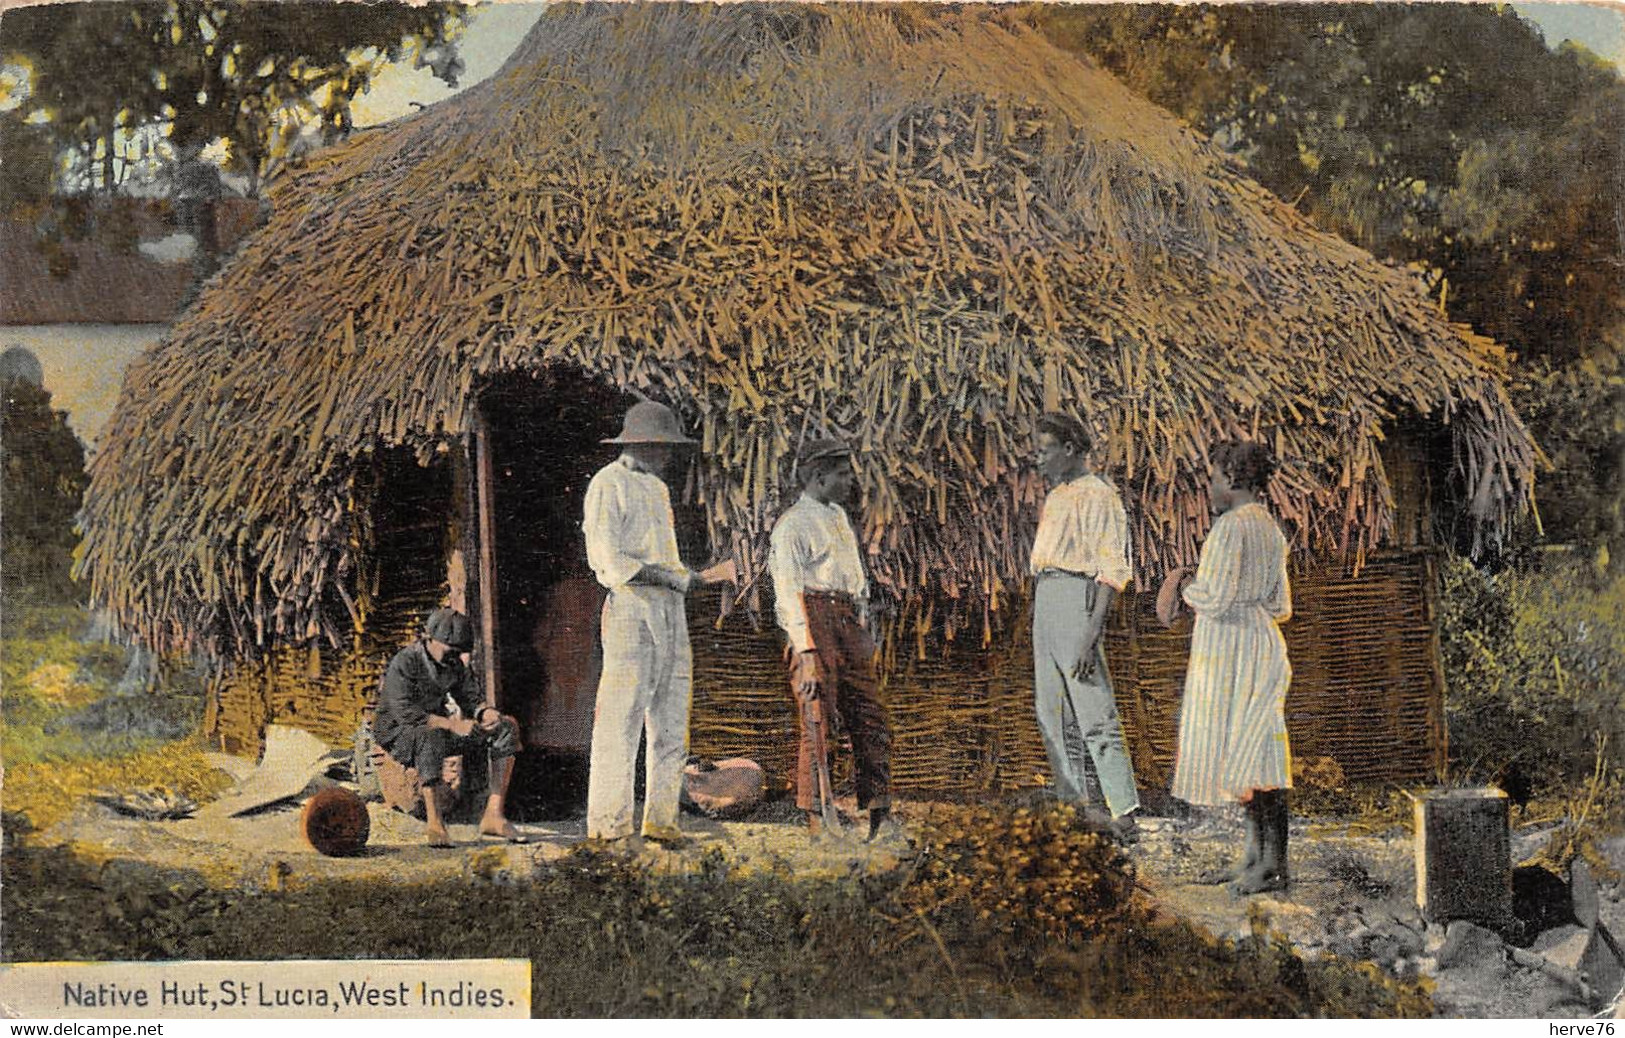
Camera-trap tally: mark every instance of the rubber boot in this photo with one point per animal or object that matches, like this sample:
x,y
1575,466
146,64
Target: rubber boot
x,y
1253,826
1251,829
1269,872
1278,818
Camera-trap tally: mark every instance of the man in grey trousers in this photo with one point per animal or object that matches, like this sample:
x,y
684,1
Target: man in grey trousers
x,y
1080,561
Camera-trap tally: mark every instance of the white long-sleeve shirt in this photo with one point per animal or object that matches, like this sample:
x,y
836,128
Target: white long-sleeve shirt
x,y
1084,529
628,524
1242,567
812,548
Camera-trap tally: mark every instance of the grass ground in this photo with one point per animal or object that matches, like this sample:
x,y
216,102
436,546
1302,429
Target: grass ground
x,y
65,729
609,937
1001,911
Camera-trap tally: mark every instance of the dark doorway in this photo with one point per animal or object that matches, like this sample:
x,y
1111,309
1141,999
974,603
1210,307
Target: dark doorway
x,y
544,431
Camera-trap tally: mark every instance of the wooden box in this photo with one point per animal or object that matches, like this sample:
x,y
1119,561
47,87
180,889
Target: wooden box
x,y
1464,856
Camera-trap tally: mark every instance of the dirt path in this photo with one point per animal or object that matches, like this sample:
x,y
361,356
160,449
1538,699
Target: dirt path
x,y
266,848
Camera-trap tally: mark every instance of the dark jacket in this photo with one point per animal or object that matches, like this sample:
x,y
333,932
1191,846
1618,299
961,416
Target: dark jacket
x,y
415,686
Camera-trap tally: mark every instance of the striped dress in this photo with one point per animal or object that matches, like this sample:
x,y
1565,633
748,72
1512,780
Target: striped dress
x,y
1232,723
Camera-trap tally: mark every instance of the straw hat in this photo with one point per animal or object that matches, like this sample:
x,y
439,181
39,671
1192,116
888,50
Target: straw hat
x,y
650,422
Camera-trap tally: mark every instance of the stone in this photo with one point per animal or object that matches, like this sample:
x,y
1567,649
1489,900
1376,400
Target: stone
x,y
1584,951
1409,942
1613,851
1540,902
1562,944
1344,948
1468,945
1382,948
1558,1001
1433,938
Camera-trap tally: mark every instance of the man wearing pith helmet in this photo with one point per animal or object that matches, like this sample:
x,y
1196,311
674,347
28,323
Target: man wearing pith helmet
x,y
822,599
430,708
648,675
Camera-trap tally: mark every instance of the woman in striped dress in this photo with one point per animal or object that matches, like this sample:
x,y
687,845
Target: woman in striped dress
x,y
1232,724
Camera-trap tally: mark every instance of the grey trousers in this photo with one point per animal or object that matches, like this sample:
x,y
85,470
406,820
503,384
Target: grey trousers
x,y
1060,605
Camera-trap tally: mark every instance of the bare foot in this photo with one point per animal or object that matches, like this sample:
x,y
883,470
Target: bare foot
x,y
501,829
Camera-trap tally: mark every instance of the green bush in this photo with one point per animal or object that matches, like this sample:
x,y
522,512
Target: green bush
x,y
66,729
1534,662
42,483
1577,414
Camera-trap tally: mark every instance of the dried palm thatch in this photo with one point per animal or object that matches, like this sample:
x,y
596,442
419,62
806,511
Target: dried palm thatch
x,y
916,228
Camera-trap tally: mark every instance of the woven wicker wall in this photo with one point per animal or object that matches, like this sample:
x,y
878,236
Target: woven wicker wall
x,y
1366,690
317,688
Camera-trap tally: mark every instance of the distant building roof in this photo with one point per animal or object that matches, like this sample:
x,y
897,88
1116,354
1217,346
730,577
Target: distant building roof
x,y
100,281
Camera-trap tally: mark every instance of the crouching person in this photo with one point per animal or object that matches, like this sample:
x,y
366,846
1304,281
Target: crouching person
x,y
430,709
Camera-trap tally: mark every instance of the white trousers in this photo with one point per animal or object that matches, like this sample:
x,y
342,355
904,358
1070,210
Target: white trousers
x,y
646,686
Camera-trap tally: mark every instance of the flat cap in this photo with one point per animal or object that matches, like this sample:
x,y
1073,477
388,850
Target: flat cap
x,y
818,450
448,625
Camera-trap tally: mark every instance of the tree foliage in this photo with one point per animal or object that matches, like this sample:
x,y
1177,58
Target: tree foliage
x,y
1578,410
1534,661
1448,136
158,81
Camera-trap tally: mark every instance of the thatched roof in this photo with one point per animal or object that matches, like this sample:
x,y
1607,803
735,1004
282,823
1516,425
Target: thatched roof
x,y
917,228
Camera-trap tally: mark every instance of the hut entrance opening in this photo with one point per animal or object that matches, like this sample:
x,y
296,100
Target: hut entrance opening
x,y
539,446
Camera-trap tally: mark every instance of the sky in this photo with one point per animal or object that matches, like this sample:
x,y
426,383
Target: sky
x,y
1600,28
494,30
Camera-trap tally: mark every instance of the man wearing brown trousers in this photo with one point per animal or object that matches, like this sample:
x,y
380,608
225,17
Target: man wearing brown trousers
x,y
822,600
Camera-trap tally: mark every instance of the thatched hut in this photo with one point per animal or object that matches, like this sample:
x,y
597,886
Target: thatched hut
x,y
916,228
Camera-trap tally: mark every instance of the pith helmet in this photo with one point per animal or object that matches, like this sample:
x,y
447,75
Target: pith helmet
x,y
448,625
650,422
